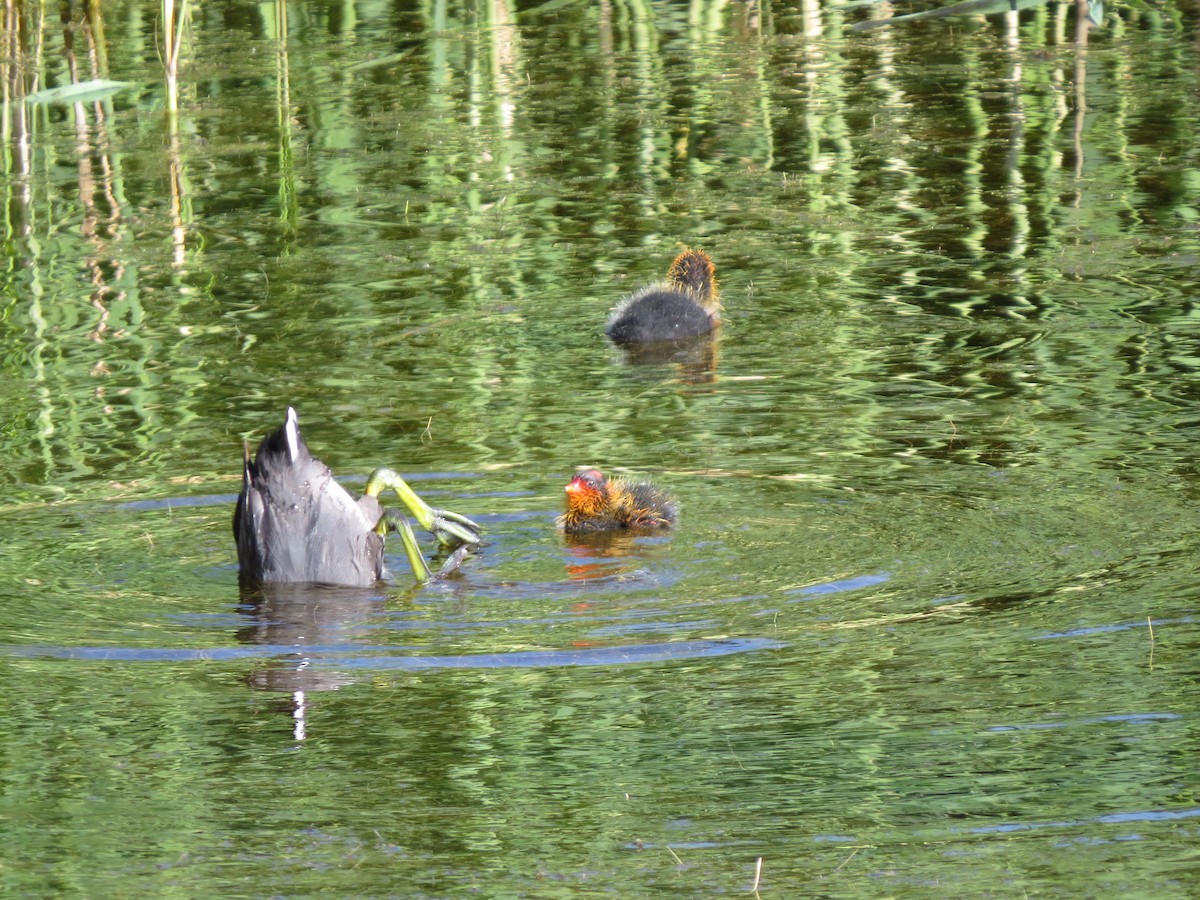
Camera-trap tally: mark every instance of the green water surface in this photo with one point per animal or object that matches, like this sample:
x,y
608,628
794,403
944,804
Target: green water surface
x,y
927,626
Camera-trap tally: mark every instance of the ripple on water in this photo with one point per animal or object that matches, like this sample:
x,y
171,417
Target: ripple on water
x,y
379,658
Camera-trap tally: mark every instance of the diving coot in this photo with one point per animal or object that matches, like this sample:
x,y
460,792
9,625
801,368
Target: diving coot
x,y
294,523
687,304
596,504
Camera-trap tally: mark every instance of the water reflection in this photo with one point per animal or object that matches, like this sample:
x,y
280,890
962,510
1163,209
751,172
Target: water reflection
x,y
315,620
694,359
605,554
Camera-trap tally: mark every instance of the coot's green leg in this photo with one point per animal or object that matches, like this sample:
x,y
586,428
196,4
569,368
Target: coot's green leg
x,y
398,523
393,520
451,529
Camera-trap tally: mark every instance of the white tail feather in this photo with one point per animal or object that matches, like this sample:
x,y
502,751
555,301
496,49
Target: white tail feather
x,y
292,430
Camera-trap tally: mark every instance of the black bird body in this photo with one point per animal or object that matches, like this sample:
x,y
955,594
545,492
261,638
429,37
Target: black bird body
x,y
687,304
294,522
658,314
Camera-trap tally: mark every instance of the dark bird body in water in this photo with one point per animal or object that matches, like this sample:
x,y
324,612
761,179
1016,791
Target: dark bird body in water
x,y
295,523
686,304
594,503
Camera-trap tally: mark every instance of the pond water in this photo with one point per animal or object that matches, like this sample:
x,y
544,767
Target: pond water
x,y
928,623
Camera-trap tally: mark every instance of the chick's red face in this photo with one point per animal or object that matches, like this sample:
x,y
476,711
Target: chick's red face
x,y
586,492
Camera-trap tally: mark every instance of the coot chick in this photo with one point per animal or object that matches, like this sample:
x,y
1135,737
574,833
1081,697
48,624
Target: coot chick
x,y
596,504
294,523
687,304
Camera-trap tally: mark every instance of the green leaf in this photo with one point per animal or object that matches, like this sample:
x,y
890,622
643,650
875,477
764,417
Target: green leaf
x,y
78,93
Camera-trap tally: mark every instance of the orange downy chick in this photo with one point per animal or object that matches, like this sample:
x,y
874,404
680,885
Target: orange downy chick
x,y
594,503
